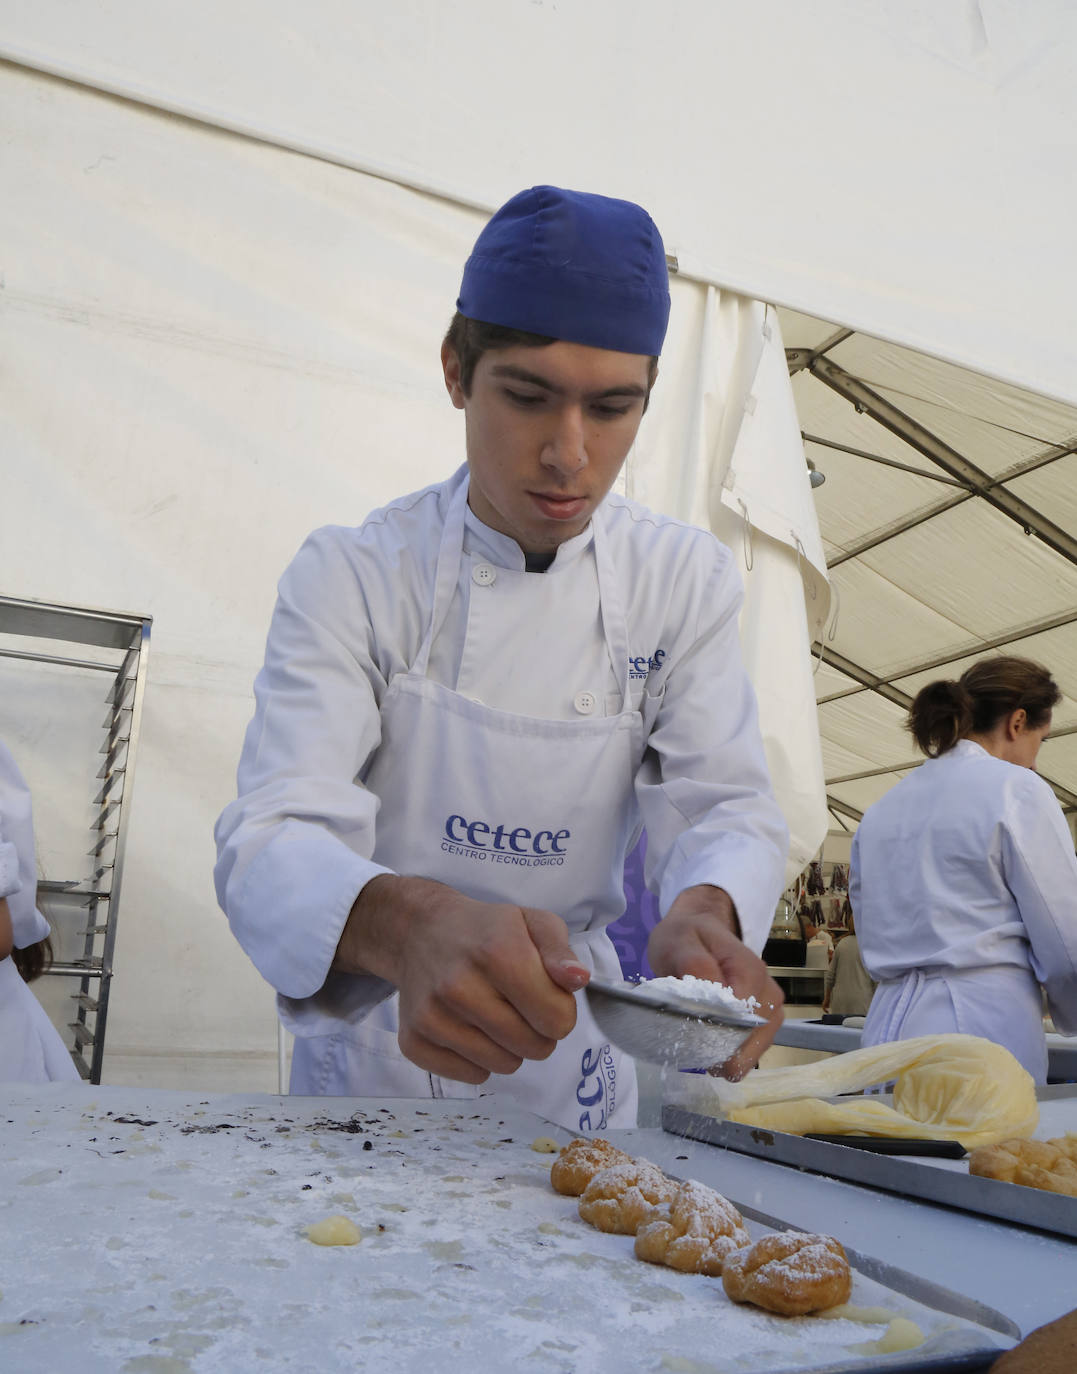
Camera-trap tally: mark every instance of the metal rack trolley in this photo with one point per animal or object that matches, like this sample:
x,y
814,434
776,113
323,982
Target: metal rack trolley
x,y
128,636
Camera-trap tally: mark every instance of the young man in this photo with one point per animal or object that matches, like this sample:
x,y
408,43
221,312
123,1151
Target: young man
x,y
469,704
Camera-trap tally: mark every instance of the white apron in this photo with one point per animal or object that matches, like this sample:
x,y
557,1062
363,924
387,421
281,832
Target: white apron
x,y
506,808
1002,1004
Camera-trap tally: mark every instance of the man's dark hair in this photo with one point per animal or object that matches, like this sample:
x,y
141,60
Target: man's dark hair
x,y
470,339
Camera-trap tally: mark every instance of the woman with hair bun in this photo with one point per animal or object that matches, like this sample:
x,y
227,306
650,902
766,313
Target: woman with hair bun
x,y
963,876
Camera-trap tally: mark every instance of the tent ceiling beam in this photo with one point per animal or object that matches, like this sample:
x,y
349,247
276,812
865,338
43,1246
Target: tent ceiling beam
x,y
840,809
872,541
1038,627
797,359
870,403
870,682
887,462
875,772
885,689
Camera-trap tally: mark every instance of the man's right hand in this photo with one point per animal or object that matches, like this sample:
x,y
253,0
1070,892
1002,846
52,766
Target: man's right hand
x,y
7,933
483,985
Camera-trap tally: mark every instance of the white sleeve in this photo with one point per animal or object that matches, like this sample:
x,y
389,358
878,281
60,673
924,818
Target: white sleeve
x,y
1041,871
854,877
703,788
294,850
18,864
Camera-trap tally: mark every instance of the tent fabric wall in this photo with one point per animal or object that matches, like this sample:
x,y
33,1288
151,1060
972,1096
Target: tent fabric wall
x,y
212,346
726,454
898,165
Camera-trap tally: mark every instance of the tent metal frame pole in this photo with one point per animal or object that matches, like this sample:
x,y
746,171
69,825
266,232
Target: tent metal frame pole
x,y
872,541
1038,627
894,695
801,359
876,772
870,403
870,682
886,462
927,665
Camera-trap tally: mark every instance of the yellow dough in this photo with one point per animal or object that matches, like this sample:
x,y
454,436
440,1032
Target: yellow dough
x,y
334,1231
543,1145
901,1334
949,1087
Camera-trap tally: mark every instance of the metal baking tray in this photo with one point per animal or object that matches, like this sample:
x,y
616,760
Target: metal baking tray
x,y
927,1360
949,1187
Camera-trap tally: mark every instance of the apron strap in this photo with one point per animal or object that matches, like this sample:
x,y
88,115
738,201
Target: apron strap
x,y
611,604
447,578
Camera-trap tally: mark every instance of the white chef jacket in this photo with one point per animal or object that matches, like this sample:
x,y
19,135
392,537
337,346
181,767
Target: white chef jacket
x,y
31,1050
965,873
18,868
299,843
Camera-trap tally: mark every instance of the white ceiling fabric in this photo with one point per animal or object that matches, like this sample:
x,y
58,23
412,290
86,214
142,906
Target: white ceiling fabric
x,y
898,165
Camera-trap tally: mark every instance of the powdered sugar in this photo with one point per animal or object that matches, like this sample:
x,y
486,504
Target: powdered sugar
x,y
702,990
814,1258
701,1210
145,1230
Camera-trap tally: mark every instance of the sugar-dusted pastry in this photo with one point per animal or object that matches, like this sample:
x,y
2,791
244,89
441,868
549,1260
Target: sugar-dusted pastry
x,y
791,1272
580,1160
1047,1164
620,1197
693,1232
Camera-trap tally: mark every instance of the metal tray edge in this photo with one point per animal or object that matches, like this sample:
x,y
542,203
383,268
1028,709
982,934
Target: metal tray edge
x,y
945,1187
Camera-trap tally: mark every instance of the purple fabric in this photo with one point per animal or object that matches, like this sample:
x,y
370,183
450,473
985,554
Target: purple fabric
x,y
631,931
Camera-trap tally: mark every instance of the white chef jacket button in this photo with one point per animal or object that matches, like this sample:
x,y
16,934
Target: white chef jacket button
x,y
484,574
584,702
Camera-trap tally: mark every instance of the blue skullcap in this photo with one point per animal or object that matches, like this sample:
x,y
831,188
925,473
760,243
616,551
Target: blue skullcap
x,y
577,267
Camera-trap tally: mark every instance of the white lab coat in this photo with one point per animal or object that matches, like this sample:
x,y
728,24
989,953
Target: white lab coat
x,y
964,884
301,840
31,1050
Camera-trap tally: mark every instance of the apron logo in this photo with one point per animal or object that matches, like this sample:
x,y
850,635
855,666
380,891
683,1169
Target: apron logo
x,y
501,845
640,666
597,1089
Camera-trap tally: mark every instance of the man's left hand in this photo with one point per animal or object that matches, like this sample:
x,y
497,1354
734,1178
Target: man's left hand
x,y
699,937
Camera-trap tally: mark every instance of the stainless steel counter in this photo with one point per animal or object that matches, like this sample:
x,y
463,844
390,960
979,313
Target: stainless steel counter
x,y
1031,1276
169,1227
806,1035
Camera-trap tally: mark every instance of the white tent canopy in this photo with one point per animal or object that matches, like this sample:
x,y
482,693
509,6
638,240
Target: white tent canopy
x,y
902,166
233,232
932,570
